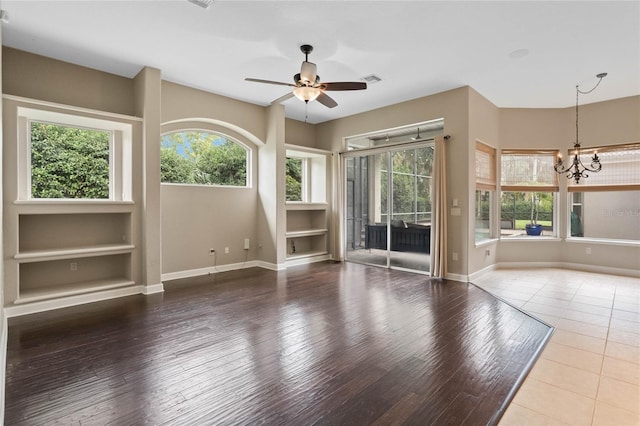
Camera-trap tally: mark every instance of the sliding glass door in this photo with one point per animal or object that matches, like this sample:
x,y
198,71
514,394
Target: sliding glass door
x,y
388,207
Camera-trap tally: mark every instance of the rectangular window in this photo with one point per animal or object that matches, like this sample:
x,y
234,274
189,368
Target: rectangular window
x,y
306,175
69,162
73,157
606,205
485,190
529,190
295,179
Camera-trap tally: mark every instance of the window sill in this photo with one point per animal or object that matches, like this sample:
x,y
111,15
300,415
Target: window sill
x,y
603,241
66,202
531,238
299,205
488,242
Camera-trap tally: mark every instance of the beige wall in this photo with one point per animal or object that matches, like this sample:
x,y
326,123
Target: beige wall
x,y
299,133
38,77
195,218
484,126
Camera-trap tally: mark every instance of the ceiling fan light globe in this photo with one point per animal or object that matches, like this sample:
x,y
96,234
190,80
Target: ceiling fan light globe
x,y
306,93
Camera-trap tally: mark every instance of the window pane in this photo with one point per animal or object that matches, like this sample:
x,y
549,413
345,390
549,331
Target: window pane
x,y
69,162
526,213
202,158
294,179
483,215
528,170
612,215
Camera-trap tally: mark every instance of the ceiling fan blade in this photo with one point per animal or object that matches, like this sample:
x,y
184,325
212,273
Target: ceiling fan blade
x,y
257,80
308,72
326,100
283,98
343,85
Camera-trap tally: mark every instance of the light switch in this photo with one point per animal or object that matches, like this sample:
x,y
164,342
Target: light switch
x,y
455,211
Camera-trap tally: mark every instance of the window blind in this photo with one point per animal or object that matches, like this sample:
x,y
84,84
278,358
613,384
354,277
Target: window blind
x,y
528,170
485,167
620,169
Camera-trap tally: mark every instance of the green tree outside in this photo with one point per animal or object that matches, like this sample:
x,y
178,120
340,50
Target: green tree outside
x,y
294,179
202,158
69,162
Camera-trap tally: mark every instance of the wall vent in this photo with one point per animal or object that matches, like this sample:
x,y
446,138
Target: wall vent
x,y
372,78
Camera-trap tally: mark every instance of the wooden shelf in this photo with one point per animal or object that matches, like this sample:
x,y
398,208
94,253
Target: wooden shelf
x,y
306,233
37,294
73,252
306,206
302,255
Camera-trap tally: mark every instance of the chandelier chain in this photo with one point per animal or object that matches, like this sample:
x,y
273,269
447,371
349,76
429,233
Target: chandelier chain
x,y
576,169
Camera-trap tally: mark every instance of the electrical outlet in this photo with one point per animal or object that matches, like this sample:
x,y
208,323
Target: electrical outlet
x,y
73,266
454,256
212,252
588,250
487,252
226,250
247,244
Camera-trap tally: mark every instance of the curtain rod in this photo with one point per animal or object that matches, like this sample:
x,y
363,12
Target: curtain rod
x,y
392,145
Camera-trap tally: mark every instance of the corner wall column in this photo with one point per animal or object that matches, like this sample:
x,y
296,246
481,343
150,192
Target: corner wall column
x,y
271,190
148,97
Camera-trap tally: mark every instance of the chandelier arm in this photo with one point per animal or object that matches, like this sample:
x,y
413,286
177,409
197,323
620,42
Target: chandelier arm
x,y
576,169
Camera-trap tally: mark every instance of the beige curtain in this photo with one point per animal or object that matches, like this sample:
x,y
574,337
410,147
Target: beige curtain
x,y
439,212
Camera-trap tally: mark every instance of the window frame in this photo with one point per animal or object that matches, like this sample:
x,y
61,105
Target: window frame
x,y
486,184
120,152
305,190
586,187
203,129
315,186
552,188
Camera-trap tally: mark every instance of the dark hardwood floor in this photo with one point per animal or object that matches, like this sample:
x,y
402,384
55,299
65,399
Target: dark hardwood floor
x,y
329,343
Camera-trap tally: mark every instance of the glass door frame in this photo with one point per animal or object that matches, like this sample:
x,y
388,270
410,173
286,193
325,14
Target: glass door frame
x,y
368,152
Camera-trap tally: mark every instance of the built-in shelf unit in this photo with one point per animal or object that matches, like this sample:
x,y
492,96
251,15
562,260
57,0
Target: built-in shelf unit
x,y
71,250
307,231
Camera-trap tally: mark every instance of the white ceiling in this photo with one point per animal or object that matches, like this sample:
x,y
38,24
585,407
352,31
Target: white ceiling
x,y
417,47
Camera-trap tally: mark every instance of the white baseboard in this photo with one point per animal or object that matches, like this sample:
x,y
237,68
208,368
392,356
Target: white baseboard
x,y
65,302
221,268
572,266
307,260
457,277
481,272
270,266
152,289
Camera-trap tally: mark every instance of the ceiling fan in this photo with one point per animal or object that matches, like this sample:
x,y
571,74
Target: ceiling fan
x,y
307,85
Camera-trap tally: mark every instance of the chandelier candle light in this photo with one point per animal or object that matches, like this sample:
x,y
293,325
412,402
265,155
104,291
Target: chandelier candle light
x,y
576,169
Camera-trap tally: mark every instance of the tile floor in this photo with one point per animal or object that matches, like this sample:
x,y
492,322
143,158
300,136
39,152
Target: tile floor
x,y
589,372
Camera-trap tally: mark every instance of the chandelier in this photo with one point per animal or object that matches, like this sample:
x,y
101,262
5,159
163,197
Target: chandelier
x,y
576,169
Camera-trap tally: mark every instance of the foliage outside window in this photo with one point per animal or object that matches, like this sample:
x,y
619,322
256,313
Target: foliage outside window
x,y
411,171
69,162
606,205
485,190
529,187
203,158
294,176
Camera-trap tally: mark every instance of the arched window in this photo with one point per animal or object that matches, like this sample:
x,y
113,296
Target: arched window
x,y
203,157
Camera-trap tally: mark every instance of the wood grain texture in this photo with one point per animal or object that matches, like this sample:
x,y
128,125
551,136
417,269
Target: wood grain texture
x,y
324,344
